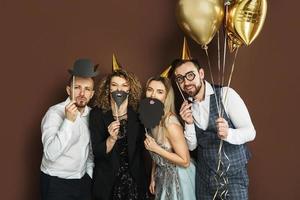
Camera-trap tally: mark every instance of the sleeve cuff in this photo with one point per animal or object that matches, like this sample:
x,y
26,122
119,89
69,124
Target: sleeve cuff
x,y
189,127
229,138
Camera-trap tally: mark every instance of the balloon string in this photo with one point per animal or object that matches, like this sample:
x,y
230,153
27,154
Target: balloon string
x,y
222,186
224,54
212,79
220,176
215,195
219,67
230,77
220,155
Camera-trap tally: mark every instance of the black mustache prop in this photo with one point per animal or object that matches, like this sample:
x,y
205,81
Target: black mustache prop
x,y
119,96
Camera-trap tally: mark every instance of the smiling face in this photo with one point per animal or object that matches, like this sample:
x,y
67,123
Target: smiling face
x,y
156,90
189,78
119,83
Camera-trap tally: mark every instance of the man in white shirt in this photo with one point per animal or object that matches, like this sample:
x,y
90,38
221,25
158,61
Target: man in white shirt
x,y
67,163
205,128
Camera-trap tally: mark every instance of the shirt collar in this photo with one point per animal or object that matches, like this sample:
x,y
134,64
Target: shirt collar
x,y
86,108
208,91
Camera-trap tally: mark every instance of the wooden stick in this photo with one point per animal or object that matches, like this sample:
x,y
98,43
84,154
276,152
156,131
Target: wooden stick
x,y
180,91
117,115
73,88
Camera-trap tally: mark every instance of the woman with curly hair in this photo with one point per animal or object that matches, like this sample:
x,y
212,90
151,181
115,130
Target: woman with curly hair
x,y
117,140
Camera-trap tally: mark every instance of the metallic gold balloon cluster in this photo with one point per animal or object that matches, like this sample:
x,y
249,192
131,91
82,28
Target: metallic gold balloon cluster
x,y
201,19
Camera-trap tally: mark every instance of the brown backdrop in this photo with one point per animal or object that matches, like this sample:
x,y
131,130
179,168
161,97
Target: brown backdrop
x,y
39,40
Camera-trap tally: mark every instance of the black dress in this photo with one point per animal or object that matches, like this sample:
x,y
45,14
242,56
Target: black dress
x,y
125,187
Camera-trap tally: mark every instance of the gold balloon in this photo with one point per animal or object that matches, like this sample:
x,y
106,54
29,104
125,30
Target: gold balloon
x,y
246,19
200,19
234,42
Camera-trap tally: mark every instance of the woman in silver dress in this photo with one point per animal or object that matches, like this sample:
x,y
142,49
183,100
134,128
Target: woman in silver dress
x,y
172,175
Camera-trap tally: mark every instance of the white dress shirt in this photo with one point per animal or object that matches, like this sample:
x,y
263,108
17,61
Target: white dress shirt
x,y
236,110
66,144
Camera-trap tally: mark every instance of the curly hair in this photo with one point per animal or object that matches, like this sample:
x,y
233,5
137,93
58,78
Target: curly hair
x,y
102,96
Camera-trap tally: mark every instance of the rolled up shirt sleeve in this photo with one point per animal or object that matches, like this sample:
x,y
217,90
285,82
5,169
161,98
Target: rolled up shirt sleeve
x,y
237,111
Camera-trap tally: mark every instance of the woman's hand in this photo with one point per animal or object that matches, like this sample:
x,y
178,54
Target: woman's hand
x,y
113,130
150,144
152,186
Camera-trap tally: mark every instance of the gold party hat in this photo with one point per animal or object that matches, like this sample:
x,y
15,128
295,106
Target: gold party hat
x,y
165,73
186,55
115,65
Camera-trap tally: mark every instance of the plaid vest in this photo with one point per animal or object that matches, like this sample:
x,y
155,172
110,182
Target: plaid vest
x,y
208,145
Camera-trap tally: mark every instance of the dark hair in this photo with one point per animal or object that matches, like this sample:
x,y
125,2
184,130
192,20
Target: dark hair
x,y
178,62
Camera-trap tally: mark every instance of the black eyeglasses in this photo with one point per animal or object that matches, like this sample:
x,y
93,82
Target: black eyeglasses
x,y
188,76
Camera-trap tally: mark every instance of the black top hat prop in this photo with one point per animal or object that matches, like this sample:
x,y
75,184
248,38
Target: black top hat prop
x,y
84,68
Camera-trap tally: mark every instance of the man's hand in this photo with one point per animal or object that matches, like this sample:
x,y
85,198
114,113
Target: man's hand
x,y
222,128
71,111
186,112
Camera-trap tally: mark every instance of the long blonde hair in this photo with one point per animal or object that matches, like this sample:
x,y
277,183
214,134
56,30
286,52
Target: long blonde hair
x,y
169,104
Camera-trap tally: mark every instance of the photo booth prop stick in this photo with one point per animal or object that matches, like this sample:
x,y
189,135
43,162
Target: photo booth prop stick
x,y
150,112
165,74
185,55
73,88
180,91
82,68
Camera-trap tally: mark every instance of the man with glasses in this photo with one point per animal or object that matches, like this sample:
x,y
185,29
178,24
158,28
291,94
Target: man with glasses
x,y
67,163
205,127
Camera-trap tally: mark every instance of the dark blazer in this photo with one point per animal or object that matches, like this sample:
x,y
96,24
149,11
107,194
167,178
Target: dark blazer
x,y
107,164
